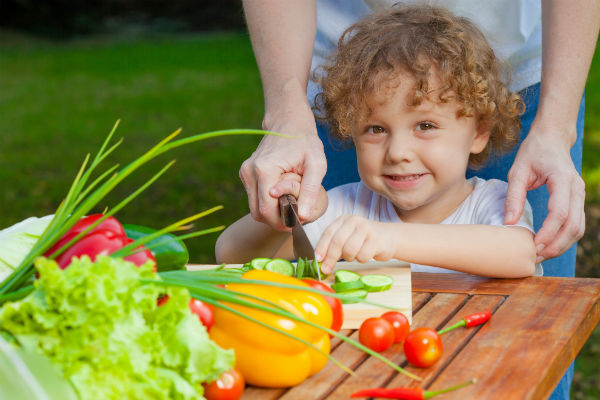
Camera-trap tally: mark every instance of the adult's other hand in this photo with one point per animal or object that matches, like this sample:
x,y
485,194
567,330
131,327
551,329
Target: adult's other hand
x,y
543,158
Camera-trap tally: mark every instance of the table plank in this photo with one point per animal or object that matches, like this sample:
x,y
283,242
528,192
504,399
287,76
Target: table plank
x,y
462,283
543,323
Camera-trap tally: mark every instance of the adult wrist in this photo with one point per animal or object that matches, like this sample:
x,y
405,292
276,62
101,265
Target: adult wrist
x,y
286,96
555,129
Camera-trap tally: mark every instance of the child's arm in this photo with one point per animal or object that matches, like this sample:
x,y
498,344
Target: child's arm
x,y
487,250
247,238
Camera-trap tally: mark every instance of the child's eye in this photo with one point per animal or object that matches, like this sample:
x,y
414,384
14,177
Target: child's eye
x,y
377,130
425,126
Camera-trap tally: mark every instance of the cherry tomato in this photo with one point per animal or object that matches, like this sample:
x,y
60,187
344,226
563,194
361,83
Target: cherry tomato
x,y
204,312
98,242
334,303
399,323
229,386
141,257
109,223
376,333
423,347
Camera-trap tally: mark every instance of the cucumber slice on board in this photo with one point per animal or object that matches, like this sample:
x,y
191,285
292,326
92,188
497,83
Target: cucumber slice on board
x,y
352,296
343,275
280,266
341,287
377,283
259,263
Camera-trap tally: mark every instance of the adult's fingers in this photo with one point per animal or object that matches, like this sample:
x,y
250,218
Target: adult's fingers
x,y
572,228
315,167
286,186
559,189
267,176
516,194
249,181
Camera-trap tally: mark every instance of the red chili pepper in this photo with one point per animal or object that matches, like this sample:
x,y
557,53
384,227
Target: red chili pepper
x,y
469,321
406,393
392,393
478,319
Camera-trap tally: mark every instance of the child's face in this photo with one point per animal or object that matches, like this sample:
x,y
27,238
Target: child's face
x,y
417,156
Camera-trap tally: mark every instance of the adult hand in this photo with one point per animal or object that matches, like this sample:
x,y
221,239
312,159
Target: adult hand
x,y
543,158
302,154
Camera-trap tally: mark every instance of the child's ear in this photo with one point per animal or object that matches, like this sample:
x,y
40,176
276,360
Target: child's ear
x,y
481,139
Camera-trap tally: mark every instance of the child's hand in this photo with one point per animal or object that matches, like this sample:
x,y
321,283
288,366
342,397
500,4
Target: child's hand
x,y
354,238
290,184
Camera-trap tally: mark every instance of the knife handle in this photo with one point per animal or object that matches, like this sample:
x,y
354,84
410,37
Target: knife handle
x,y
286,203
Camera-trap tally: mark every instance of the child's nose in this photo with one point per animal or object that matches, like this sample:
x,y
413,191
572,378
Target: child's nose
x,y
400,148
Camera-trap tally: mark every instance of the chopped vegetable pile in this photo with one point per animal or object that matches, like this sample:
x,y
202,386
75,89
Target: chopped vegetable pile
x,y
105,332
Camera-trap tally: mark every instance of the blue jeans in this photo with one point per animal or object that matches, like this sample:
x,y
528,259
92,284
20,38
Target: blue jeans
x,y
341,168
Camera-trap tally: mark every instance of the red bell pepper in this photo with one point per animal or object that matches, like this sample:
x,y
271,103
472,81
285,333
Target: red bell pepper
x,y
109,223
469,321
140,256
99,242
105,238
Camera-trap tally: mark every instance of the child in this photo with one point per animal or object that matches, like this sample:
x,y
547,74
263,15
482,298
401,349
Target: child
x,y
419,94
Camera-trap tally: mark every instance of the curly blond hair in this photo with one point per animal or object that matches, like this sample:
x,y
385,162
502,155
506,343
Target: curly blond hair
x,y
420,40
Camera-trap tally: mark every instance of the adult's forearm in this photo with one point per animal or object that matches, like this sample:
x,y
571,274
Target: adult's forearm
x,y
570,32
282,35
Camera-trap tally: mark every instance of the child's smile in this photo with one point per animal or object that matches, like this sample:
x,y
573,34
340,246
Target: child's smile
x,y
417,156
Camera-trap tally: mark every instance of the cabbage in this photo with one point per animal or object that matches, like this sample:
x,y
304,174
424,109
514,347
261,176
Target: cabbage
x,y
16,241
101,327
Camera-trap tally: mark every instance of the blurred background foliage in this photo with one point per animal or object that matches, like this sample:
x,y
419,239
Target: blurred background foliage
x,y
70,69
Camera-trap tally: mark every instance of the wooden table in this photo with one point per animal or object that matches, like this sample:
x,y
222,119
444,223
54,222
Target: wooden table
x,y
538,326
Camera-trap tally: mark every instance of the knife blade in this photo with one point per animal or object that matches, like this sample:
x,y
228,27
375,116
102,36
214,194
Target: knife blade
x,y
288,208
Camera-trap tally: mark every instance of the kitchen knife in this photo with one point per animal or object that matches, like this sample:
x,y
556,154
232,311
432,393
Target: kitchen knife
x,y
288,208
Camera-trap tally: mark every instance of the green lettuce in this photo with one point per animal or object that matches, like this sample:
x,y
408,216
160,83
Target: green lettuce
x,y
102,328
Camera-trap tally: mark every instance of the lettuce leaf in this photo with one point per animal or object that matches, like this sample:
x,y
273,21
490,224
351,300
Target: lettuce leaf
x,y
104,332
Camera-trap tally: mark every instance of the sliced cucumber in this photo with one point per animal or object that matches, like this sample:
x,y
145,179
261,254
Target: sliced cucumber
x,y
377,283
259,263
341,287
343,275
280,266
353,296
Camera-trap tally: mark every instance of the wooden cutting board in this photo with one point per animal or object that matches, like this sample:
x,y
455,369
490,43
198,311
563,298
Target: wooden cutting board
x,y
399,296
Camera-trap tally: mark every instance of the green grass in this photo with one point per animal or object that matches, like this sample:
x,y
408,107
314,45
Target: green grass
x,y
59,100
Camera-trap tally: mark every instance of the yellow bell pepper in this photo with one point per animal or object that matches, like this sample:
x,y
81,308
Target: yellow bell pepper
x,y
266,357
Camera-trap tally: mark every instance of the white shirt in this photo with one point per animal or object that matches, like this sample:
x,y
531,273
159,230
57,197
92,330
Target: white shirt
x,y
484,206
512,27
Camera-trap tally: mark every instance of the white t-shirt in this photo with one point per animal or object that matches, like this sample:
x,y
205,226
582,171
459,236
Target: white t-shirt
x,y
484,206
512,27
